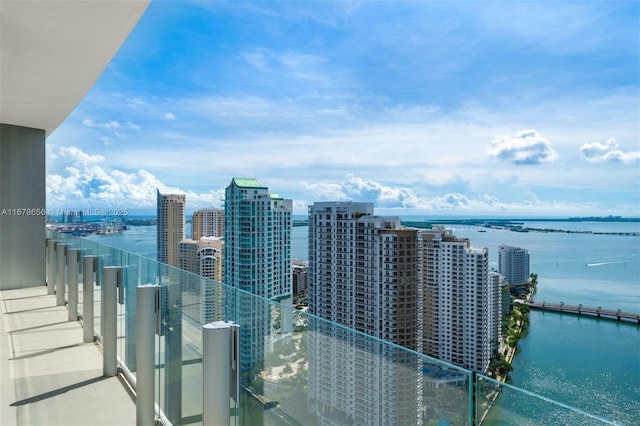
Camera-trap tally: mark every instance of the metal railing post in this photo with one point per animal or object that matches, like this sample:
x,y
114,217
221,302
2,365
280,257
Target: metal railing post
x,y
147,307
51,266
73,256
61,255
130,280
220,366
89,268
109,319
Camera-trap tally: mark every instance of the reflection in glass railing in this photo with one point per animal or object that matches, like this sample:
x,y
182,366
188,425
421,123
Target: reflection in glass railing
x,y
295,368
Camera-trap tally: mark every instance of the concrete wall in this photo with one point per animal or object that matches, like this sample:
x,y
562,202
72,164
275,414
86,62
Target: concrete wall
x,y
22,186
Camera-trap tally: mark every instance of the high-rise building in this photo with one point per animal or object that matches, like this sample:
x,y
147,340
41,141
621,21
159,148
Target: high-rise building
x,y
187,255
300,271
498,291
72,216
257,258
202,257
513,264
460,303
203,299
207,222
171,225
364,274
211,257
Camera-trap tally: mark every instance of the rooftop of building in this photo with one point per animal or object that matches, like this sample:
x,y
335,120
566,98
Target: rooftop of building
x,y
211,238
247,183
170,191
209,209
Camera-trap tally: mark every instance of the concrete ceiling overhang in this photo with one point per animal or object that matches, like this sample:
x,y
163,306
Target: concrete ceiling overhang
x,y
53,51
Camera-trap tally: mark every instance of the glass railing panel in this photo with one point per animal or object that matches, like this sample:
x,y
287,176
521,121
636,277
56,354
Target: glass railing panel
x,y
192,291
446,393
152,272
169,353
107,256
149,271
499,403
89,248
70,240
297,368
213,298
86,247
130,264
188,301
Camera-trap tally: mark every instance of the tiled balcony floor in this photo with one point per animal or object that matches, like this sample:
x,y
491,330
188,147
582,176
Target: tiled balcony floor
x,y
48,376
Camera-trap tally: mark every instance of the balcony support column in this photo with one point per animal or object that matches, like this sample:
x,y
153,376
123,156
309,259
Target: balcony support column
x,y
61,260
172,319
220,379
112,275
89,267
130,280
51,266
73,256
146,310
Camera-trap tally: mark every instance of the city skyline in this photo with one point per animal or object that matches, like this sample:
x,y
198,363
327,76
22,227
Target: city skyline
x,y
514,109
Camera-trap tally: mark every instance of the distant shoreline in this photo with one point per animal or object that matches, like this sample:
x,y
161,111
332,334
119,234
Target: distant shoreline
x,y
515,225
518,226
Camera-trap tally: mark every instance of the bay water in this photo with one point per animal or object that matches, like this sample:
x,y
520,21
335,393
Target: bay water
x,y
588,363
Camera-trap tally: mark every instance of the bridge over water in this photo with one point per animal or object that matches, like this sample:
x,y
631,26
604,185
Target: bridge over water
x,y
586,310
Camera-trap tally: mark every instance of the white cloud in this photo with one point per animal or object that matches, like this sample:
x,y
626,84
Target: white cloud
x,y
401,200
323,191
135,102
169,116
107,125
73,155
384,196
525,147
80,181
608,150
196,200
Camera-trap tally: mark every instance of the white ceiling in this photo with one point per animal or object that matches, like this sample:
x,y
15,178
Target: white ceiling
x,y
53,51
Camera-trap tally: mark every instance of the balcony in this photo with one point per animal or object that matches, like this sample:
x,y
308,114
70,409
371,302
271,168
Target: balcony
x,y
56,363
48,375
285,370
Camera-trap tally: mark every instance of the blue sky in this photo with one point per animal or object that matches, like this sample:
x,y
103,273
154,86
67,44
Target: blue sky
x,y
422,107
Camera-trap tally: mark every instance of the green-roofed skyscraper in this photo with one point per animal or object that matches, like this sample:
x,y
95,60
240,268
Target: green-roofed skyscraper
x,y
257,259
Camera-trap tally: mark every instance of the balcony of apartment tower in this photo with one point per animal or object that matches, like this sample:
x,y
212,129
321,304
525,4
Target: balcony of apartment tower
x,y
51,53
96,335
